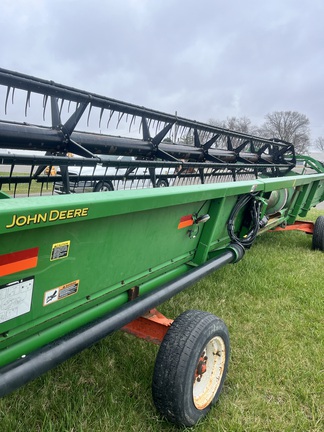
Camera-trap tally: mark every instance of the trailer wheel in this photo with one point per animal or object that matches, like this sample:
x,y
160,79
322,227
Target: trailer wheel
x,y
318,234
162,183
190,367
103,187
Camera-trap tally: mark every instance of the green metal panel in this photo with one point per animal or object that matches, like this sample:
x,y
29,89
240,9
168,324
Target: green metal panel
x,y
67,260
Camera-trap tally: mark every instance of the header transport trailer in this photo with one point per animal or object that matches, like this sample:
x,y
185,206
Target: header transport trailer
x,y
77,266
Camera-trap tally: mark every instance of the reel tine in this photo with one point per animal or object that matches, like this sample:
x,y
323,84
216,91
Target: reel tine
x,y
31,171
120,116
41,189
7,97
45,99
110,116
101,114
132,120
27,102
11,170
61,107
29,186
180,132
90,108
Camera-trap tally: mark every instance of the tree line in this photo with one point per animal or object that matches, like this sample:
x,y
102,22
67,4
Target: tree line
x,y
290,126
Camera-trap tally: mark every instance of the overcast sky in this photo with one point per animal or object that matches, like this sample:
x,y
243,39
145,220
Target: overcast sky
x,y
205,59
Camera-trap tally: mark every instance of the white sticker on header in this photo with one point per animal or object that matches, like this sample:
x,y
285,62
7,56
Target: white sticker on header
x,y
15,298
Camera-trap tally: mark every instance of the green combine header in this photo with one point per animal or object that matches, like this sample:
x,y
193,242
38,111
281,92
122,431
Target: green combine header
x,y
181,200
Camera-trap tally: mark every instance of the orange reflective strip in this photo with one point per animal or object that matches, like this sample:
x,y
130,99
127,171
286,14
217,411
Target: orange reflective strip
x,y
18,261
185,221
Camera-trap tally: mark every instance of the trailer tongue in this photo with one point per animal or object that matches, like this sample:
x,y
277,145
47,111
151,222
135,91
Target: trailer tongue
x,y
75,267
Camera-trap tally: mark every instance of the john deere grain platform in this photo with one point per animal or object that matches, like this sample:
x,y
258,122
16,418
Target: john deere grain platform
x,y
179,199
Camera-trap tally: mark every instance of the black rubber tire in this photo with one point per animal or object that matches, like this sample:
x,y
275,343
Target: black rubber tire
x,y
105,186
162,183
175,378
318,234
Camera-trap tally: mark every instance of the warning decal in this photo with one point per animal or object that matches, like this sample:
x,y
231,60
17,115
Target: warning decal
x,y
60,250
61,292
15,298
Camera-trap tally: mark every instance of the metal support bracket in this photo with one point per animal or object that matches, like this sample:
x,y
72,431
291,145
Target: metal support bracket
x,y
306,227
151,327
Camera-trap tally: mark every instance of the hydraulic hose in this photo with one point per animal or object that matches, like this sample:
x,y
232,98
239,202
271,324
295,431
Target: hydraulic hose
x,y
254,207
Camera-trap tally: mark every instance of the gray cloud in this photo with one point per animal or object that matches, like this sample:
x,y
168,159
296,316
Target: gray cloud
x,y
206,59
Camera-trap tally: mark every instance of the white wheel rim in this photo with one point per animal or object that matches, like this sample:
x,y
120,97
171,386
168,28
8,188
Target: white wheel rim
x,y
209,372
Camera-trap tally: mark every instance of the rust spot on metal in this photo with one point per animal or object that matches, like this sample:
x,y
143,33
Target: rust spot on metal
x,y
201,367
133,293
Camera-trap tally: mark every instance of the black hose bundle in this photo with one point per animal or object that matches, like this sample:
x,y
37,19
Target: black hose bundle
x,y
253,220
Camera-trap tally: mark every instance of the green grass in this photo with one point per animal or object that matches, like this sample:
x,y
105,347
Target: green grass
x,y
23,188
273,304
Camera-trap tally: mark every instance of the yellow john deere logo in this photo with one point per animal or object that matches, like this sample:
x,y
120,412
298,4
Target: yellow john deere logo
x,y
51,216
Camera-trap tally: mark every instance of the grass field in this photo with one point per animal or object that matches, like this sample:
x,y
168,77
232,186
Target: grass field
x,y
25,188
273,304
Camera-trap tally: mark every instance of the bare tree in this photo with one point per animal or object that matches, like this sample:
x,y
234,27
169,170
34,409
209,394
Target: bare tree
x,y
288,126
188,138
238,124
319,143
